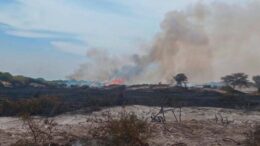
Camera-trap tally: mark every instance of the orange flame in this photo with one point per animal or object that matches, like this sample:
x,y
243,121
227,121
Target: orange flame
x,y
116,82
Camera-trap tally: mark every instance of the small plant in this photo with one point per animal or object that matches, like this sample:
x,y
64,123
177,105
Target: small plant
x,y
127,130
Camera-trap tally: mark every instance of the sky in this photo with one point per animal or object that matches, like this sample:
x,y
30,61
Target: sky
x,y
50,38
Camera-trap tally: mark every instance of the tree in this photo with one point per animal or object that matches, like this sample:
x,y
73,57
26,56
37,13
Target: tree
x,y
236,80
256,79
181,79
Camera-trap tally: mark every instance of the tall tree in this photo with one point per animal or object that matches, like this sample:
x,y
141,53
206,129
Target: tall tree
x,y
181,79
256,79
236,80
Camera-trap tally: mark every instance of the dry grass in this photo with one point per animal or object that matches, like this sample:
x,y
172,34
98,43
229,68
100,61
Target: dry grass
x,y
253,137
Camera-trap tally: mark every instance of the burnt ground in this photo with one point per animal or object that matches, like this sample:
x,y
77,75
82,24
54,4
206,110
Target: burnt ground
x,y
149,95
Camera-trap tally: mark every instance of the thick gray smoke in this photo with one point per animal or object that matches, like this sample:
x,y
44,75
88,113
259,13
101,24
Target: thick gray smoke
x,y
206,42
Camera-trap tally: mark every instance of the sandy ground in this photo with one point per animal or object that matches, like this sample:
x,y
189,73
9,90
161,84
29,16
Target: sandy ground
x,y
198,126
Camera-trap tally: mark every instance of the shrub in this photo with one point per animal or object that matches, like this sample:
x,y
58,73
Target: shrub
x,y
40,131
127,130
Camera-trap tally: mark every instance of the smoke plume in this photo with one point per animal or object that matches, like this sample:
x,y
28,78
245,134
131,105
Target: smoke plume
x,y
205,41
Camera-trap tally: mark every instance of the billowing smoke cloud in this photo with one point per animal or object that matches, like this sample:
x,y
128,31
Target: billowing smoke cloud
x,y
206,42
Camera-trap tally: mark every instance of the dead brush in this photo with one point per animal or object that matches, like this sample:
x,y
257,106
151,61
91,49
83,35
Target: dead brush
x,y
40,131
222,120
126,130
160,116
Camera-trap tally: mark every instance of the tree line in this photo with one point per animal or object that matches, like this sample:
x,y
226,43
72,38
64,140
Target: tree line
x,y
235,80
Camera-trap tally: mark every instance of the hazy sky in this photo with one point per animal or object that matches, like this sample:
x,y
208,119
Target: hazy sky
x,y
49,38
